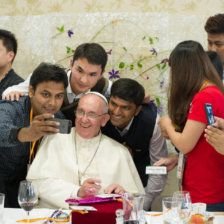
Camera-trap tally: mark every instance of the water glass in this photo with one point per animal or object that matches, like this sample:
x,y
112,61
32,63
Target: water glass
x,y
132,205
186,204
171,209
199,208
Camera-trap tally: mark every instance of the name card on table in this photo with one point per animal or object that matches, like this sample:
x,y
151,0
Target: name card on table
x,y
155,170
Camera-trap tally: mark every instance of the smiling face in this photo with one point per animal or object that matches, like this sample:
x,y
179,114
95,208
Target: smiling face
x,y
121,112
84,75
47,98
216,43
86,127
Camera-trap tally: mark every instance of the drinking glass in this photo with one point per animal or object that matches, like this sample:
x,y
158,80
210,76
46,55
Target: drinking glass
x,y
186,205
171,208
133,208
27,196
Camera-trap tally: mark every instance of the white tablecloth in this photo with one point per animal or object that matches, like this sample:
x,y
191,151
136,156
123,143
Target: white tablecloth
x,y
218,218
11,215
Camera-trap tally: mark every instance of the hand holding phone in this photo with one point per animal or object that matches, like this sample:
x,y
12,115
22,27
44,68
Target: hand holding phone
x,y
65,125
209,114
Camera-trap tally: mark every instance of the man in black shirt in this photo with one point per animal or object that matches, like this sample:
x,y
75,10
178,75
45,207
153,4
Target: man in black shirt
x,y
8,49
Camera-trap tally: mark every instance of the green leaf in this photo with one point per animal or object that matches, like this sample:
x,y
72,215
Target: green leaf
x,y
150,40
139,64
122,64
158,66
68,49
164,65
61,29
73,51
143,38
125,49
131,67
157,102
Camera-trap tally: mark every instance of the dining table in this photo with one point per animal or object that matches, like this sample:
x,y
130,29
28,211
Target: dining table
x,y
11,215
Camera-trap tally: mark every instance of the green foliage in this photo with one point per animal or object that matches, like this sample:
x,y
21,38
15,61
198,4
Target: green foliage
x,y
68,49
131,67
158,102
164,65
139,64
150,40
121,65
61,29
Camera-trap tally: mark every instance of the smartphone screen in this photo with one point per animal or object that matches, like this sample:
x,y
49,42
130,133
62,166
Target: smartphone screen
x,y
209,114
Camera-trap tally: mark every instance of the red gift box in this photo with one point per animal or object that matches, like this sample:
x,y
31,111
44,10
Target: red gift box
x,y
105,214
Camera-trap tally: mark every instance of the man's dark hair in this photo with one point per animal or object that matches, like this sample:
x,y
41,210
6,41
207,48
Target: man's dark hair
x,y
9,41
93,52
215,24
216,61
129,90
48,72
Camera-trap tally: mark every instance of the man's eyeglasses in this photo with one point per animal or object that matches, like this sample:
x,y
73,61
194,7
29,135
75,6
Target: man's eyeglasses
x,y
89,115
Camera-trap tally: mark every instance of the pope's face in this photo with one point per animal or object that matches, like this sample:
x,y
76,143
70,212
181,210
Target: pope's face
x,y
216,43
84,75
86,126
121,112
47,97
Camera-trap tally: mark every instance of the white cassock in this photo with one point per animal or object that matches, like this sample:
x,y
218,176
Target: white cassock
x,y
57,172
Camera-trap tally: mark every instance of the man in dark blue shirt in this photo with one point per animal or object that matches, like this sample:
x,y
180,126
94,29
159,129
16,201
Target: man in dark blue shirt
x,y
135,125
8,49
23,123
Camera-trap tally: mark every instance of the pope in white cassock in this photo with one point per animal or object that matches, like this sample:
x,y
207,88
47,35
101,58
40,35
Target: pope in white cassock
x,y
84,162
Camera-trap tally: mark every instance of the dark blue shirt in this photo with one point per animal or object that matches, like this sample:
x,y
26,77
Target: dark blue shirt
x,y
10,79
14,154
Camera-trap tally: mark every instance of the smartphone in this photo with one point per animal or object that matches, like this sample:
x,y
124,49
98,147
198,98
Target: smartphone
x,y
209,114
65,125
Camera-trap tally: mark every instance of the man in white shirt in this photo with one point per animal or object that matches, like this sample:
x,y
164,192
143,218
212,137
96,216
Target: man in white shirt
x,y
87,68
85,162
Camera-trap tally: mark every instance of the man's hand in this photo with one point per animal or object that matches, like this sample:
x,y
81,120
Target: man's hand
x,y
114,188
169,162
38,128
219,123
89,188
215,137
15,95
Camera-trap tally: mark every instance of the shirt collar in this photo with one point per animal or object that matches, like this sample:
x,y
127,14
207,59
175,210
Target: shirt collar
x,y
126,129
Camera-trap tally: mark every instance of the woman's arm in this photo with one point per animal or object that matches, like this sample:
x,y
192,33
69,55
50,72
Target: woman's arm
x,y
186,140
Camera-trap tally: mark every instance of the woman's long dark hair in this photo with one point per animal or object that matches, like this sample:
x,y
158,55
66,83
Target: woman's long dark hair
x,y
190,67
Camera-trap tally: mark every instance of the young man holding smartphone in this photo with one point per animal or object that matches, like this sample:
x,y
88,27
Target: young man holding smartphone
x,y
24,122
